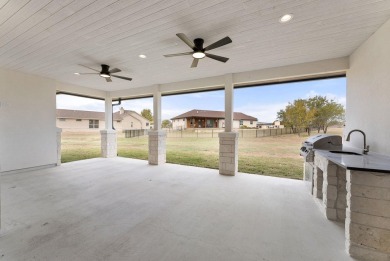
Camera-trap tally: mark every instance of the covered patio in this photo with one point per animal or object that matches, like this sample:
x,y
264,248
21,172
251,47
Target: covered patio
x,y
124,209
120,209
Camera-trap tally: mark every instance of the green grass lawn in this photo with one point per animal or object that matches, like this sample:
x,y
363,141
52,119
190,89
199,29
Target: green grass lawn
x,y
273,156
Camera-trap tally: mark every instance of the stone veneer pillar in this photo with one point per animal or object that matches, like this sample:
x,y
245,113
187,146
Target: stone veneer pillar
x,y
157,150
228,153
108,143
59,131
367,223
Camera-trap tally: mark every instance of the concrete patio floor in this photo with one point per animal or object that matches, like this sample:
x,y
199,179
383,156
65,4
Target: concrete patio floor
x,y
124,209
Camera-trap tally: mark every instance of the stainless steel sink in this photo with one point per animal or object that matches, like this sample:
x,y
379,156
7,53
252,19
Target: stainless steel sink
x,y
345,152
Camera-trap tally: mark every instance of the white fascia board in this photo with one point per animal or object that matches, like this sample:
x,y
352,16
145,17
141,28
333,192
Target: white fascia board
x,y
293,72
322,68
80,90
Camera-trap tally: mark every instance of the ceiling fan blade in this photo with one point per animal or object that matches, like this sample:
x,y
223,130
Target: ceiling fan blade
x,y
185,39
86,73
216,57
194,63
108,79
89,68
121,77
219,43
178,54
115,70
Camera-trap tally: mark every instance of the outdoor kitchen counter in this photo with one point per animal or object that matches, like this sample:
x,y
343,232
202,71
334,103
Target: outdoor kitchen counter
x,y
355,189
371,162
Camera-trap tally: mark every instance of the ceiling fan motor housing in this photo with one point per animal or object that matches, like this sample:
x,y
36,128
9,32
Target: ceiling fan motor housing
x,y
105,70
199,45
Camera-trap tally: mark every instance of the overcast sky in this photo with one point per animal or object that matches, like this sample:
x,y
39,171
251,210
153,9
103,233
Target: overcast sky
x,y
260,102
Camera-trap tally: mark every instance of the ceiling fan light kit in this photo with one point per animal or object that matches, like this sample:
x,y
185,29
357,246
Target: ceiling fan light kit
x,y
106,73
199,52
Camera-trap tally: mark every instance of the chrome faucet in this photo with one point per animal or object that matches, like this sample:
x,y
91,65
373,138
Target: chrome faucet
x,y
366,147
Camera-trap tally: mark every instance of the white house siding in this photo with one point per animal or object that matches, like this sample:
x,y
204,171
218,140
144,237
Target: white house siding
x,y
130,121
368,92
249,124
179,124
134,121
83,125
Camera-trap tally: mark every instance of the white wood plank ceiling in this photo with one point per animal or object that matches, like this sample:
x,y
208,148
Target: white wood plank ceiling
x,y
51,37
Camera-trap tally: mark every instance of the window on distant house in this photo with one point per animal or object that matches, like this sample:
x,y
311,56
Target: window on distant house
x,y
147,124
251,122
94,124
118,121
184,119
241,122
61,119
131,124
78,119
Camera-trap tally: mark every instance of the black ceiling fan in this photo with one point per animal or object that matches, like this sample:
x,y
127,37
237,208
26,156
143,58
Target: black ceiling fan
x,y
199,52
106,73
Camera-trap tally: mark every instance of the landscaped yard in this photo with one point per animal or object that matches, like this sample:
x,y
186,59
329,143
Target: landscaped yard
x,y
273,156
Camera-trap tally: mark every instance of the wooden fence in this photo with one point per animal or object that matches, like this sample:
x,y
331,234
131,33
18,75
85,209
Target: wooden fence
x,y
134,133
213,133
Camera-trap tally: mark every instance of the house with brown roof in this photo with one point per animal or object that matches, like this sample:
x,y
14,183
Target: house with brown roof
x,y
211,119
77,120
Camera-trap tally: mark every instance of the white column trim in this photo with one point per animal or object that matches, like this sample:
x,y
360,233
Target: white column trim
x,y
108,113
157,109
229,99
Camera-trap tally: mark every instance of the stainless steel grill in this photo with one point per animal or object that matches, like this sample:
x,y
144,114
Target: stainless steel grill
x,y
321,142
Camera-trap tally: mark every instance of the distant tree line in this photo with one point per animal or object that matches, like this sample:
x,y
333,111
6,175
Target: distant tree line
x,y
316,113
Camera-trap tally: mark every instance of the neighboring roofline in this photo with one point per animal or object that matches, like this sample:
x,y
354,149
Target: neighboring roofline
x,y
183,116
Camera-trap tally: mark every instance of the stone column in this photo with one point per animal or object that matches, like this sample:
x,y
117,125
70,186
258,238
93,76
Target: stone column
x,y
59,131
228,153
157,151
228,140
108,143
367,223
108,136
157,137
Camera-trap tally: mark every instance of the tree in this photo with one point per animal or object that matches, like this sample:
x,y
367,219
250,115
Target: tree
x,y
327,112
317,112
166,124
147,114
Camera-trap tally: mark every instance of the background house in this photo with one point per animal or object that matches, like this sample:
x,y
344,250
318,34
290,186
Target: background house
x,y
211,119
76,120
269,125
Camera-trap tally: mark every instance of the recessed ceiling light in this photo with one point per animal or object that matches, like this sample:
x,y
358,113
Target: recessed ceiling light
x,y
285,18
77,73
143,56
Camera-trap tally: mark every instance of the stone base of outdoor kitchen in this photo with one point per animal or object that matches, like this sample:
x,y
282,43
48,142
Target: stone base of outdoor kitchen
x,y
330,186
360,199
108,143
157,147
367,225
228,153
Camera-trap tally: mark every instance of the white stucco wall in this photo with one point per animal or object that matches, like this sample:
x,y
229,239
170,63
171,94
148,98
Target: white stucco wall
x,y
27,121
368,92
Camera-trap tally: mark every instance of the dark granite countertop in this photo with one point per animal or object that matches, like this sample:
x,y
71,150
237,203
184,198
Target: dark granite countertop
x,y
372,162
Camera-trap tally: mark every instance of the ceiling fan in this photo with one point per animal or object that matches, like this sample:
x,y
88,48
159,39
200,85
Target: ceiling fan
x,y
199,52
106,73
